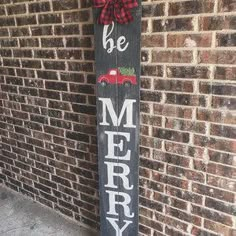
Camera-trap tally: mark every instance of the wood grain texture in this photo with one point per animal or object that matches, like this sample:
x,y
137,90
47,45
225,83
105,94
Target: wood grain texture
x,y
118,94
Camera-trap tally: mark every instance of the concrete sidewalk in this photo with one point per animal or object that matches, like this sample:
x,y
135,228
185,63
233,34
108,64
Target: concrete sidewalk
x,y
20,216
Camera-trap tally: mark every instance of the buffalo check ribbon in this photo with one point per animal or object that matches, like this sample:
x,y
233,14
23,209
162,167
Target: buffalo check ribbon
x,y
118,10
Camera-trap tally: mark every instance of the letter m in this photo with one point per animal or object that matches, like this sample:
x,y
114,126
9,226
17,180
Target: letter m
x,y
116,121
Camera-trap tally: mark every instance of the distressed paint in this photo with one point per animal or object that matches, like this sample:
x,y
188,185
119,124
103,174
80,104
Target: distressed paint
x,y
118,46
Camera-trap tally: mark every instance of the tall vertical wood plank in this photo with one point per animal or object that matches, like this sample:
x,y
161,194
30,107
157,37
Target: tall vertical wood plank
x,y
118,82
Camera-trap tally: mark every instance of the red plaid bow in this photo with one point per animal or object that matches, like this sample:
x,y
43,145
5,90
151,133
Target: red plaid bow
x,y
115,9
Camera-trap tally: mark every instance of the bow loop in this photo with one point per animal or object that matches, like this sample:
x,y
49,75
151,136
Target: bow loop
x,y
118,10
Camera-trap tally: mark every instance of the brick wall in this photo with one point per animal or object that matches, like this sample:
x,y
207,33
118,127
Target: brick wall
x,y
48,122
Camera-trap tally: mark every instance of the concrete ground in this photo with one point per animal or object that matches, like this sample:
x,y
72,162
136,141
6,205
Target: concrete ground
x,y
20,216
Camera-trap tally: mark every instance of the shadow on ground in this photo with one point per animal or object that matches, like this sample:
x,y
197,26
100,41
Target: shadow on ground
x,y
20,216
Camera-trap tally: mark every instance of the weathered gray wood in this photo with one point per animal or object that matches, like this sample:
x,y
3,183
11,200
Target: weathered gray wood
x,y
119,94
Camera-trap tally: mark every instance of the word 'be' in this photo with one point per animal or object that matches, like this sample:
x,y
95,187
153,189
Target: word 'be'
x,y
109,44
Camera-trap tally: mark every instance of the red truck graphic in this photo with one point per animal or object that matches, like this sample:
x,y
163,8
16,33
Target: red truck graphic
x,y
115,76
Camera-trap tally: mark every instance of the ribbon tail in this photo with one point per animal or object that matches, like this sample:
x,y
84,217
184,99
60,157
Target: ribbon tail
x,y
106,16
123,15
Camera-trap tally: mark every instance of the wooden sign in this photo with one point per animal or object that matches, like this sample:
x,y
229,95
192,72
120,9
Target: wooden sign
x,y
117,48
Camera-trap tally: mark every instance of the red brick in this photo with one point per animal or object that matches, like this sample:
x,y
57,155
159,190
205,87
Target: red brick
x,y
172,222
65,5
39,7
215,143
185,125
220,170
50,18
171,158
153,10
172,56
184,195
187,72
221,183
169,180
177,24
171,135
226,5
172,231
218,228
7,22
2,11
197,231
217,88
223,103
150,70
26,20
225,117
212,215
152,40
172,111
151,223
190,7
226,40
217,57
150,96
220,157
213,192
177,148
144,230
183,173
185,99
176,203
225,73
144,26
183,216
217,23
78,16
189,40
220,206
17,9
223,131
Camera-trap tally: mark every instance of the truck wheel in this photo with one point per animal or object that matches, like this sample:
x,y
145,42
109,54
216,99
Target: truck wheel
x,y
103,83
127,84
